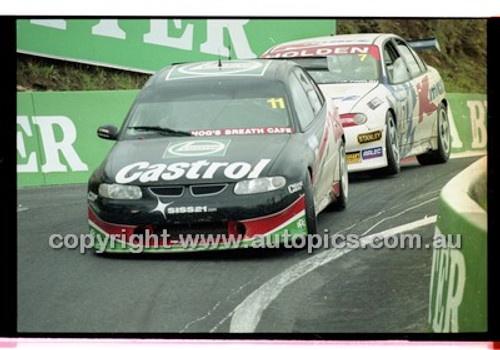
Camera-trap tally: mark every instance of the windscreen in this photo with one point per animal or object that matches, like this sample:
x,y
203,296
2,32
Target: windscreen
x,y
342,68
196,105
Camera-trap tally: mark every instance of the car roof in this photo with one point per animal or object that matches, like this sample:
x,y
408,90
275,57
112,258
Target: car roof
x,y
231,69
343,39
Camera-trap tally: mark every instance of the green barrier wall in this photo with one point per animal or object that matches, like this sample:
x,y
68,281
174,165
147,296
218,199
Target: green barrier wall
x,y
458,286
56,134
57,142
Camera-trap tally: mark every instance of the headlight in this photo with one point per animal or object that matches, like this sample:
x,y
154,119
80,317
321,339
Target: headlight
x,y
351,119
116,191
263,184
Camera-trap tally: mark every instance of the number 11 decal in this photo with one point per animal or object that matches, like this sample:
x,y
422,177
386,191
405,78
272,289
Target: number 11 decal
x,y
275,102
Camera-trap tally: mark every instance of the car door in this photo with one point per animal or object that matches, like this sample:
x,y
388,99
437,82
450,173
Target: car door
x,y
424,112
318,129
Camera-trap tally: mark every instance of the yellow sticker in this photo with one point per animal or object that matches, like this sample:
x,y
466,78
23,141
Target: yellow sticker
x,y
370,137
277,102
362,56
353,158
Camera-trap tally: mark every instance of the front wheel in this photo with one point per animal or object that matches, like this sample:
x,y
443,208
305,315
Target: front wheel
x,y
311,220
442,154
391,148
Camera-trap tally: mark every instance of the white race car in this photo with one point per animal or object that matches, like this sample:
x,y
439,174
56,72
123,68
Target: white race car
x,y
391,103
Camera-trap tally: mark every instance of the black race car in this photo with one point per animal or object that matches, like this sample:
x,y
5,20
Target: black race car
x,y
216,155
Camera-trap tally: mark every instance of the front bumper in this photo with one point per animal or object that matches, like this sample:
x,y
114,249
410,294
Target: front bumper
x,y
365,148
195,232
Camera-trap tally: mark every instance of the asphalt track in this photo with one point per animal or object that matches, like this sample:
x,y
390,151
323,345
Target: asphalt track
x,y
328,291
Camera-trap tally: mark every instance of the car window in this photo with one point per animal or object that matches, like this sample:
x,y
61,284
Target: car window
x,y
343,64
211,104
409,58
397,72
320,95
420,61
312,94
305,112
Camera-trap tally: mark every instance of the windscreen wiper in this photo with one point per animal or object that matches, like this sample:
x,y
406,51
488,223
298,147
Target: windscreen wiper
x,y
161,130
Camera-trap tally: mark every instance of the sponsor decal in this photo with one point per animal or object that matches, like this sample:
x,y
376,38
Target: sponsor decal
x,y
350,98
292,188
436,90
165,208
372,153
426,106
374,103
319,50
241,68
313,142
190,210
370,137
198,148
301,224
91,196
145,172
353,157
161,208
243,131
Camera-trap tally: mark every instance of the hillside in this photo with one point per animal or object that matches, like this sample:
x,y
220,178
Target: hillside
x,y
462,62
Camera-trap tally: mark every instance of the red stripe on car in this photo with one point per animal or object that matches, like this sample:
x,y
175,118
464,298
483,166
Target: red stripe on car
x,y
263,225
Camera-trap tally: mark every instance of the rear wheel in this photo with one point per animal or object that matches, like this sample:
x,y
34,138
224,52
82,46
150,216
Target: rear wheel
x,y
341,202
391,148
442,154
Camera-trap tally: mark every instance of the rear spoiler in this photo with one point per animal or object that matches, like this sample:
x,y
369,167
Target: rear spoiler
x,y
424,44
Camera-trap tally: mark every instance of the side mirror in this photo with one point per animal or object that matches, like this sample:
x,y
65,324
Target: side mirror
x,y
107,132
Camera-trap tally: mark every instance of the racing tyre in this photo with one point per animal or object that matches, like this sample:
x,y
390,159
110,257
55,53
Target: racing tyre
x,y
391,148
341,202
311,220
442,154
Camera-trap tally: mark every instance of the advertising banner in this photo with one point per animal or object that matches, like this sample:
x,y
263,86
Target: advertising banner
x,y
147,45
56,134
469,122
